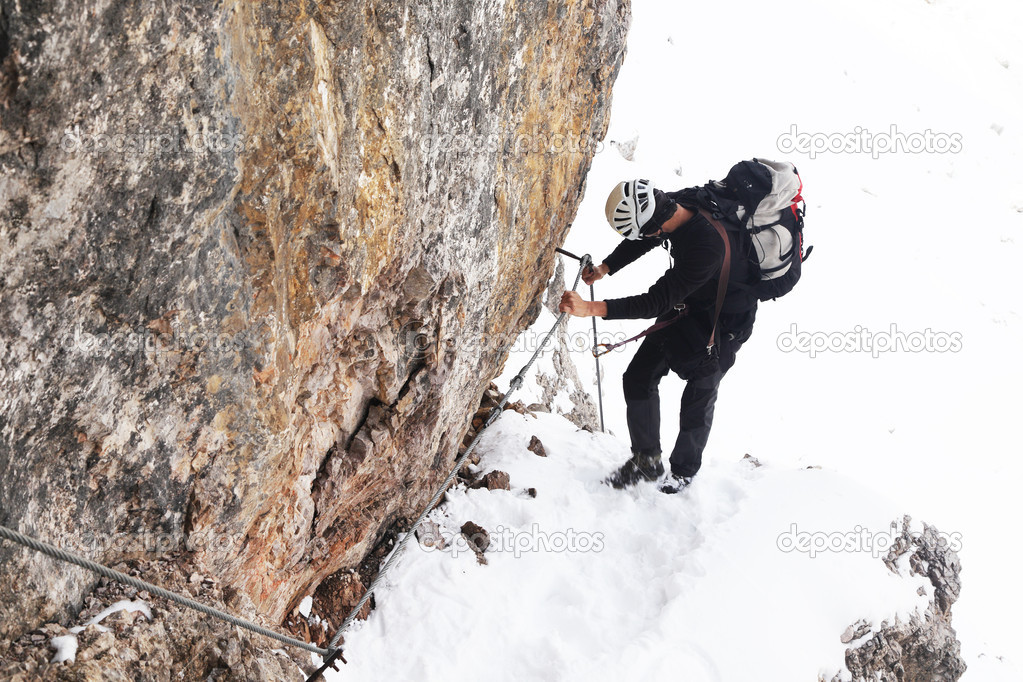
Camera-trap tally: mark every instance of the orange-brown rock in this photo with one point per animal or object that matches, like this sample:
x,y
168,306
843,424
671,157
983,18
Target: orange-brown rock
x,y
256,262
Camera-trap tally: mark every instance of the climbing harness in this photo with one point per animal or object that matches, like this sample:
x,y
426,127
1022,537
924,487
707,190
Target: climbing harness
x,y
605,348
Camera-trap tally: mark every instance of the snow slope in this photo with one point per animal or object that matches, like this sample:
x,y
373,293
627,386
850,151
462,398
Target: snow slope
x,y
588,583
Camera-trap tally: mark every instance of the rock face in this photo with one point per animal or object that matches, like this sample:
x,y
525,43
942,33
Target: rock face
x,y
251,255
172,644
924,647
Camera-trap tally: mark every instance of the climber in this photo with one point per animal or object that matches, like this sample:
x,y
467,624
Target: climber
x,y
686,293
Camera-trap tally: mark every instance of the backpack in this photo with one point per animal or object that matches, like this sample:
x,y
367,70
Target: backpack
x,y
759,199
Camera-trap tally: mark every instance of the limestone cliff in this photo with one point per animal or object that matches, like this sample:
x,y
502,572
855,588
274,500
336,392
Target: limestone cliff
x,y
224,230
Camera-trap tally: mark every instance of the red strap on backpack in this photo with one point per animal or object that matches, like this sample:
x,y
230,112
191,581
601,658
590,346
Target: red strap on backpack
x,y
798,198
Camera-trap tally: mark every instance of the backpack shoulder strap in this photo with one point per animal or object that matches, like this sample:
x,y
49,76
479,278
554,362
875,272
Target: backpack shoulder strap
x,y
726,267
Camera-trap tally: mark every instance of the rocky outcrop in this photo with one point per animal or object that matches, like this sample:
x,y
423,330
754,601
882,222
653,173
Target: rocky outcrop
x,y
924,646
553,384
564,377
165,643
246,251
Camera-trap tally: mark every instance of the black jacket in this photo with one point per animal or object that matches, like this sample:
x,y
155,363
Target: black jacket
x,y
697,250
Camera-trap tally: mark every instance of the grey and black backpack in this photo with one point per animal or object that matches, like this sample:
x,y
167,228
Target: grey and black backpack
x,y
760,198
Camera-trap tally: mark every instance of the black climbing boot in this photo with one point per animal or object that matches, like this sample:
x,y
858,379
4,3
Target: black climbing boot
x,y
644,466
673,483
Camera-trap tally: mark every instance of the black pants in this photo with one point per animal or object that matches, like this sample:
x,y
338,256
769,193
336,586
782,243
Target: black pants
x,y
643,407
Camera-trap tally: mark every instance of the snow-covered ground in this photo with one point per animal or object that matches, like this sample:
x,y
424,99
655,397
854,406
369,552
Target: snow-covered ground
x,y
584,582
918,246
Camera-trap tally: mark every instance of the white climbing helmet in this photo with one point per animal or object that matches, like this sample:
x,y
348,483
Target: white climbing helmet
x,y
629,206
